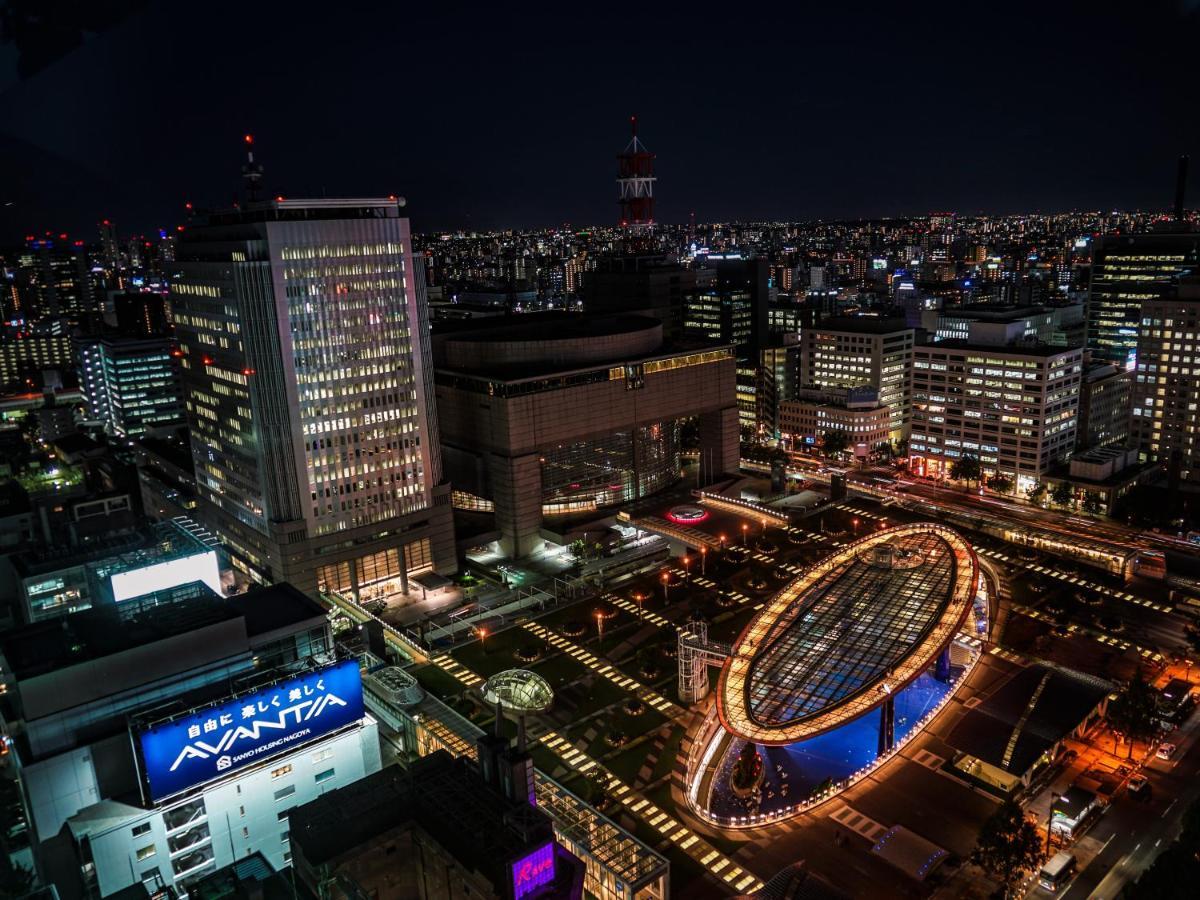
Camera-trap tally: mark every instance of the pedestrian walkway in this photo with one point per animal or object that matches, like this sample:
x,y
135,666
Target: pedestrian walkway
x,y
727,873
1076,580
457,670
858,823
633,609
604,669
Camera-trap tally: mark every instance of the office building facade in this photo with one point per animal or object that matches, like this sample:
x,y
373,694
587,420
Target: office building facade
x,y
25,357
856,411
1014,409
1105,407
304,335
1127,271
862,352
560,415
160,740
132,385
1166,386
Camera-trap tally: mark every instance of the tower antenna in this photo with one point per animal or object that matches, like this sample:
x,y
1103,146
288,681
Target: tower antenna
x,y
635,182
252,172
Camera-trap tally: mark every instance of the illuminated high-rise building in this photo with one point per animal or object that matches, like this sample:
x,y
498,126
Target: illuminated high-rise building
x,y
1127,271
1166,386
304,338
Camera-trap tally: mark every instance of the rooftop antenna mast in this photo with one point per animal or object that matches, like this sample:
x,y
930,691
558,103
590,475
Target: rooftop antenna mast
x,y
635,182
252,172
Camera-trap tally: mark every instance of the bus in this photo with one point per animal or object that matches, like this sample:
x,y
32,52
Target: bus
x,y
1058,871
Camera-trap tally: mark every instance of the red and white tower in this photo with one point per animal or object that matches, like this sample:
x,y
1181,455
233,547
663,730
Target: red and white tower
x,y
635,181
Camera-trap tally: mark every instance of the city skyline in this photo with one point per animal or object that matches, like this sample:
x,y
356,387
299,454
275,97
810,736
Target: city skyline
x,y
816,117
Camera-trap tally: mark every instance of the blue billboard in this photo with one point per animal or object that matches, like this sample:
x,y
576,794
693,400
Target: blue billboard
x,y
229,736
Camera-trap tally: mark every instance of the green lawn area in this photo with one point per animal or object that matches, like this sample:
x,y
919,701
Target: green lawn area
x,y
616,719
670,752
495,653
601,694
439,683
559,669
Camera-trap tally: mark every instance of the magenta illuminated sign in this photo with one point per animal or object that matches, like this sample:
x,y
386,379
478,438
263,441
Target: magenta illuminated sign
x,y
533,871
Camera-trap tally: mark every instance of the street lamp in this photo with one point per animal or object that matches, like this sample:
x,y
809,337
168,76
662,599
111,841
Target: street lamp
x,y
482,633
599,629
764,527
1050,820
687,571
745,528
856,526
703,554
638,598
721,538
665,579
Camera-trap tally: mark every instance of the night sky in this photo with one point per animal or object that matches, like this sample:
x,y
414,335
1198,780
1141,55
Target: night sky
x,y
507,115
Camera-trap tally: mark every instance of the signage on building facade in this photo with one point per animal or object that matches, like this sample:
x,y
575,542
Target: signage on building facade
x,y
533,871
250,729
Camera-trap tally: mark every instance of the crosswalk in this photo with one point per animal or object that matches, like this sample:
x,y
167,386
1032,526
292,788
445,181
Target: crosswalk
x,y
858,823
928,760
1108,640
1068,578
716,863
455,669
634,610
604,669
1009,655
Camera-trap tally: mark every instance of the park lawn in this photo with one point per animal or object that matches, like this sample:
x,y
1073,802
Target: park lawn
x,y
559,670
728,630
437,681
495,653
669,755
601,694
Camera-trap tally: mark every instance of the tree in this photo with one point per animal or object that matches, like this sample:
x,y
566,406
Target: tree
x,y
1132,712
966,468
1009,844
901,448
1001,484
1062,495
835,441
1037,492
1092,505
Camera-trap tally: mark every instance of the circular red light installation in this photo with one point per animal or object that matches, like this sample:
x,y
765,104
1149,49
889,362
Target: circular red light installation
x,y
687,514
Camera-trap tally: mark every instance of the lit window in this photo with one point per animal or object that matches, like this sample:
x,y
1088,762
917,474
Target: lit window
x,y
281,771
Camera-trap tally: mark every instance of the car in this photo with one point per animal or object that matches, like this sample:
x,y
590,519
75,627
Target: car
x,y
1166,750
1139,786
1122,771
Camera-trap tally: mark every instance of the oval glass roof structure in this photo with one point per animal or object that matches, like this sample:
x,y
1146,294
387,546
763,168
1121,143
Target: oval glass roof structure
x,y
519,690
856,627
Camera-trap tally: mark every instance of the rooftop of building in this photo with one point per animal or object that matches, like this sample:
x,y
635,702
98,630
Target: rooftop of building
x,y
111,628
862,325
249,878
527,346
152,543
993,312
281,209
927,574
546,326
441,794
1031,349
1005,732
